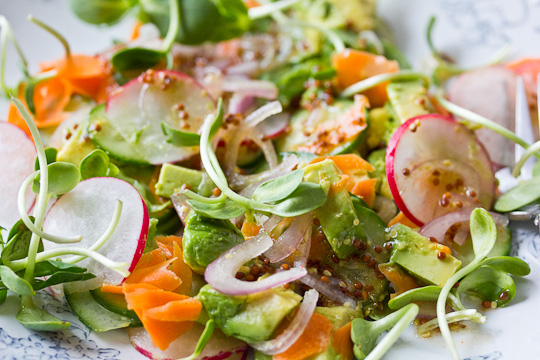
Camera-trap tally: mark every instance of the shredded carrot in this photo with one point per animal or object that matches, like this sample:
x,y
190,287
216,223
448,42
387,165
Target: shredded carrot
x,y
152,258
353,66
157,275
180,310
136,31
132,287
402,219
366,190
251,3
143,299
163,333
347,162
313,340
182,270
340,185
113,289
400,279
341,341
166,243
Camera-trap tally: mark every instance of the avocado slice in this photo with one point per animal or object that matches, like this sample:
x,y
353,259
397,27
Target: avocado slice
x,y
408,99
416,254
77,147
337,215
172,177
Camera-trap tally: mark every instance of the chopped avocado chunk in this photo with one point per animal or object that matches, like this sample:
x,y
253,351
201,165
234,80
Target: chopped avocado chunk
x,y
250,318
338,315
378,159
172,177
408,99
416,254
337,215
378,122
205,239
77,147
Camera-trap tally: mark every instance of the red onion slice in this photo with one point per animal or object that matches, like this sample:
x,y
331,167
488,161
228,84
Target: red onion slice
x,y
302,252
181,206
328,290
271,222
462,234
220,274
438,227
290,239
263,113
295,329
258,88
240,103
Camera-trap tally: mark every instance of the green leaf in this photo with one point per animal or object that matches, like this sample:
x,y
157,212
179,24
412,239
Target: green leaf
x,y
29,96
483,232
426,293
49,267
63,177
218,120
61,277
180,138
536,169
97,164
3,296
509,264
489,284
279,188
227,209
136,59
523,194
50,154
14,283
306,197
203,340
365,334
99,12
35,318
18,243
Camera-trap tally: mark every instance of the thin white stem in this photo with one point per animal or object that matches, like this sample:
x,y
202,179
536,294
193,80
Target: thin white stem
x,y
526,155
379,79
466,314
333,37
21,203
106,235
53,32
174,25
268,9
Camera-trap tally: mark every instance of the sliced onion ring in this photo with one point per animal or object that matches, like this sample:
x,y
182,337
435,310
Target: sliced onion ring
x,y
220,274
295,329
328,290
290,239
438,227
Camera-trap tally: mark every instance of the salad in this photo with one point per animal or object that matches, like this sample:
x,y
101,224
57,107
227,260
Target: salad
x,y
260,176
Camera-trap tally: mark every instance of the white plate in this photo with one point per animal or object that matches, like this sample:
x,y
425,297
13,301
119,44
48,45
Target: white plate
x,y
470,30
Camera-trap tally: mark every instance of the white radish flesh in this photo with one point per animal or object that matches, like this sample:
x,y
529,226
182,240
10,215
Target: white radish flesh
x,y
87,210
432,162
17,156
489,92
220,346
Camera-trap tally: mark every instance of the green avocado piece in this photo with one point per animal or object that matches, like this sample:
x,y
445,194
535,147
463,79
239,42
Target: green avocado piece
x,y
77,147
338,315
337,215
249,318
379,119
205,239
378,159
172,177
408,99
416,254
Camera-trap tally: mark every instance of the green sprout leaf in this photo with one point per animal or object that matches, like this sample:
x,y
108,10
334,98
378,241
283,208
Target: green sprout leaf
x,y
489,284
365,334
306,197
49,267
3,296
97,164
14,283
203,340
180,138
18,243
136,59
63,177
227,209
99,12
50,154
523,194
35,318
61,277
536,169
426,293
279,188
509,264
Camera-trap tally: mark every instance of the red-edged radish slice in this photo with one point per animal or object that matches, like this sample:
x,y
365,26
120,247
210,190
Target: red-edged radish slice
x,y
70,125
220,346
433,160
17,156
275,125
489,92
137,109
87,210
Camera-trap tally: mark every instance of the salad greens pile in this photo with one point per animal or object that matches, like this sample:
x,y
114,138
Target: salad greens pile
x,y
273,170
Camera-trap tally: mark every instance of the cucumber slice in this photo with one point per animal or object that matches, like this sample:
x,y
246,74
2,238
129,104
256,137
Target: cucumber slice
x,y
93,315
335,129
129,127
117,304
502,246
248,155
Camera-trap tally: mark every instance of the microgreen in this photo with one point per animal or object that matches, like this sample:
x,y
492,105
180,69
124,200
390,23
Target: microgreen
x,y
50,154
3,296
299,199
364,334
521,195
63,177
488,283
536,169
509,264
100,11
279,188
97,164
180,138
425,293
18,243
53,32
30,87
15,283
203,340
484,235
460,315
35,318
382,78
140,58
7,33
534,148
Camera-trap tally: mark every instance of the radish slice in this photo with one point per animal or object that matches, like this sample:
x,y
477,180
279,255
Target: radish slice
x,y
87,211
275,125
489,92
69,125
431,161
17,156
137,109
220,346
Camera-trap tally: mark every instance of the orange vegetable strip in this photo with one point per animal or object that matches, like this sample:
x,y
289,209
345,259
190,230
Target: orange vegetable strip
x,y
400,279
158,275
182,270
180,310
402,219
113,289
341,341
366,190
143,299
163,333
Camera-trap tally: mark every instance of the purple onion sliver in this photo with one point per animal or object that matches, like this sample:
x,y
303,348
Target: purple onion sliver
x,y
326,289
295,329
290,239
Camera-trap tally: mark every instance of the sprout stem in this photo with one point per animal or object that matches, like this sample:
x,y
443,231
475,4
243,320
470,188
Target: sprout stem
x,y
268,9
53,32
7,33
174,26
526,155
379,79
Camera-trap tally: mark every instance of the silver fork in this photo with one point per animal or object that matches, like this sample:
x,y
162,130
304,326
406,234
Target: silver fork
x,y
525,131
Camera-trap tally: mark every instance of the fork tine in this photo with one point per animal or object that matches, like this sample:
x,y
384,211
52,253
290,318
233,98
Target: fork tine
x,y
523,126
